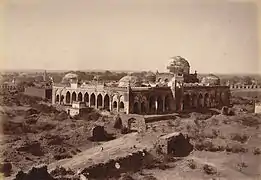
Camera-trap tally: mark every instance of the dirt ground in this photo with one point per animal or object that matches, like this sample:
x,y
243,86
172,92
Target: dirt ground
x,y
225,147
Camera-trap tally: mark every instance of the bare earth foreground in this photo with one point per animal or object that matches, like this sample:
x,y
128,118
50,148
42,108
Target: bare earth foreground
x,y
225,147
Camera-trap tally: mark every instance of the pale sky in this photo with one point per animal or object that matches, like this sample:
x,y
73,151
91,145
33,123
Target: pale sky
x,y
215,36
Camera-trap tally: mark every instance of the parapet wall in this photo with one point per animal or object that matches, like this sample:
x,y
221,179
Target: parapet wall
x,y
245,87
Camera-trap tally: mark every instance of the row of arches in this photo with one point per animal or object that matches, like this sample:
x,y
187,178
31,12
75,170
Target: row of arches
x,y
152,105
99,101
204,100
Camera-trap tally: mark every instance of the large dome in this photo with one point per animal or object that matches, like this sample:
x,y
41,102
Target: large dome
x,y
70,77
211,79
133,81
179,61
179,65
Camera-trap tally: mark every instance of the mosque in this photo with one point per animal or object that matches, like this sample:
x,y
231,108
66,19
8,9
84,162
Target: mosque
x,y
157,93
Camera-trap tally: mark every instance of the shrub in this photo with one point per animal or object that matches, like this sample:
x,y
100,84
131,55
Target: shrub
x,y
236,148
209,169
192,164
257,151
251,122
239,137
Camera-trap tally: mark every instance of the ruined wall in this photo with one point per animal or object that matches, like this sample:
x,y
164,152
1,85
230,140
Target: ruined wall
x,y
38,92
131,162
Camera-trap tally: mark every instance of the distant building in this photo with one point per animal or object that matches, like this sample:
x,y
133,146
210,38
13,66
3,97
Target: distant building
x,y
41,89
162,93
10,87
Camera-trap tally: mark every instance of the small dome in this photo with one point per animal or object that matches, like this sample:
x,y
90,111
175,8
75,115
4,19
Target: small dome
x,y
211,79
150,76
134,81
70,77
179,61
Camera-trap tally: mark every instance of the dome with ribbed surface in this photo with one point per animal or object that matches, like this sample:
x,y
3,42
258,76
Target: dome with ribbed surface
x,y
131,80
70,77
179,61
178,65
211,79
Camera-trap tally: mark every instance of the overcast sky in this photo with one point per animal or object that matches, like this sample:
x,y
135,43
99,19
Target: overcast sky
x,y
215,36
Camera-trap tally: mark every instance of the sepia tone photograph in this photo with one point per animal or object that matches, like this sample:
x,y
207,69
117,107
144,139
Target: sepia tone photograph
x,y
130,90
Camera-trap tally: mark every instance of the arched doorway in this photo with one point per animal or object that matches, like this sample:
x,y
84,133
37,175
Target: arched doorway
x,y
143,108
114,105
99,101
212,101
224,97
186,101
167,103
121,106
57,98
160,105
80,96
200,101
68,97
86,97
107,102
92,100
136,109
152,106
62,99
73,96
206,100
194,100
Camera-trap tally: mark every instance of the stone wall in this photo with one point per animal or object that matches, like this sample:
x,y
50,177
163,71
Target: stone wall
x,y
38,92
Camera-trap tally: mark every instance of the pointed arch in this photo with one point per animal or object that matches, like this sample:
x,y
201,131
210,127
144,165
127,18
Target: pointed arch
x,y
121,106
57,98
186,101
62,99
159,105
167,104
92,99
143,109
73,96
80,96
114,105
86,97
206,100
200,101
107,102
152,106
136,109
68,97
99,101
194,100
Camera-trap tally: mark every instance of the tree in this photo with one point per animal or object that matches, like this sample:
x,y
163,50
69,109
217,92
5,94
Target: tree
x,y
247,80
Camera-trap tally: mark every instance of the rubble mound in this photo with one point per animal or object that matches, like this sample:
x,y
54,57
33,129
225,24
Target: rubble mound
x,y
40,173
45,108
32,111
32,147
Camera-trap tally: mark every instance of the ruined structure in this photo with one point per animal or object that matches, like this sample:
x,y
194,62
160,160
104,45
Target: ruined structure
x,y
174,143
162,93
